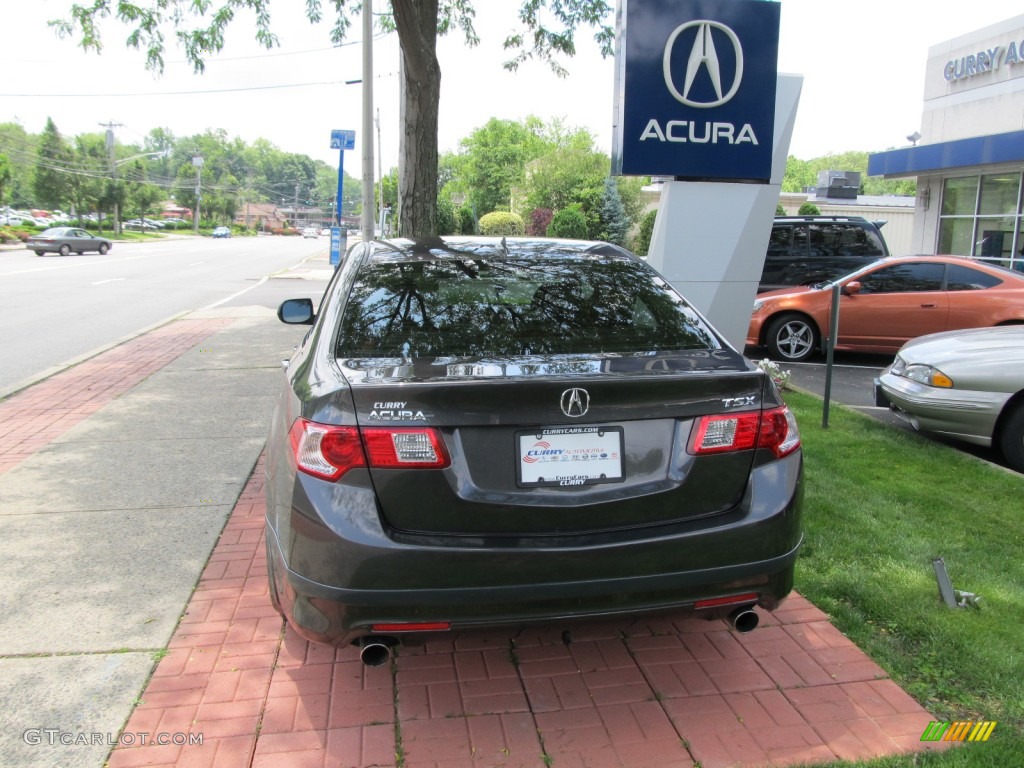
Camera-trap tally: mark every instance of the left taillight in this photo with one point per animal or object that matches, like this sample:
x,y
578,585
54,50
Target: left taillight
x,y
328,451
774,429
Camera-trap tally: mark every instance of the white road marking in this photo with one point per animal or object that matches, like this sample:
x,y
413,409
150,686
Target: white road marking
x,y
235,295
111,280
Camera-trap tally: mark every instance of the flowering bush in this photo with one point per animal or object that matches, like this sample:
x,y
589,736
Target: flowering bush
x,y
780,377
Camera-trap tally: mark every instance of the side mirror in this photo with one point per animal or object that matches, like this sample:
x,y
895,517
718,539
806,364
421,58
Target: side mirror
x,y
851,288
296,312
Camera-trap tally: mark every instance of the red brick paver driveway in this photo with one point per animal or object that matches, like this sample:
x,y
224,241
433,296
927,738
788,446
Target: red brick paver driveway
x,y
672,691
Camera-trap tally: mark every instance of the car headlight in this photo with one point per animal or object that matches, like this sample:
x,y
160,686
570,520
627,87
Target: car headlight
x,y
925,374
758,305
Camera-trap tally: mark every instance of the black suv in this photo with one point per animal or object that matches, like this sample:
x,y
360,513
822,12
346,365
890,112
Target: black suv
x,y
810,249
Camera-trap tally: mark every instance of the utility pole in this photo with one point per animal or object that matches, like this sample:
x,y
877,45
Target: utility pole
x,y
367,218
380,176
197,162
113,172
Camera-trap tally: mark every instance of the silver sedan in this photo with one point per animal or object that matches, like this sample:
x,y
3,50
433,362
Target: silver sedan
x,y
64,240
967,385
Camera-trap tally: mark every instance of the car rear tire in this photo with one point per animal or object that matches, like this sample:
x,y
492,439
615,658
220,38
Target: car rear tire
x,y
103,249
1011,438
792,338
65,250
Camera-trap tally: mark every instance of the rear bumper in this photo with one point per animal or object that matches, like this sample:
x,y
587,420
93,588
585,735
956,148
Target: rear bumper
x,y
336,582
338,616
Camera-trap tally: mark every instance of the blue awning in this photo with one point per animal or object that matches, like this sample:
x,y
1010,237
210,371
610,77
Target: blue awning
x,y
948,155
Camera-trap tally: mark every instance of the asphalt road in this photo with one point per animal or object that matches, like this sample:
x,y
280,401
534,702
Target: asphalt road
x,y
56,309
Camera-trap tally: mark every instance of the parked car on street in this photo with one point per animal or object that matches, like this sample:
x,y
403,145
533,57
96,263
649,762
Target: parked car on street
x,y
803,250
884,305
967,385
484,431
221,232
311,232
64,240
141,225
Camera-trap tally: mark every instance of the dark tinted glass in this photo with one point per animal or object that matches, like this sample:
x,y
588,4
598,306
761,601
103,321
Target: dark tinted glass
x,y
961,278
513,307
780,240
842,239
904,278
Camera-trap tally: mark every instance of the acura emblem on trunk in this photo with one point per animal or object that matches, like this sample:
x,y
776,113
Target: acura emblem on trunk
x,y
575,402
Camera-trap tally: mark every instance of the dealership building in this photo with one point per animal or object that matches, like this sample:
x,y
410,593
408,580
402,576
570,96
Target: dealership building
x,y
968,154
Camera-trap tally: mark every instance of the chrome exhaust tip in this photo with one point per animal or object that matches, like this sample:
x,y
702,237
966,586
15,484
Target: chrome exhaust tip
x,y
744,619
376,650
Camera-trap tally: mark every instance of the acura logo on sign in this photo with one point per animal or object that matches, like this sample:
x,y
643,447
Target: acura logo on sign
x,y
575,402
703,61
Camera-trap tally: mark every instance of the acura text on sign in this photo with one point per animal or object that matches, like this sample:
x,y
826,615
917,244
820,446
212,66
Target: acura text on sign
x,y
695,89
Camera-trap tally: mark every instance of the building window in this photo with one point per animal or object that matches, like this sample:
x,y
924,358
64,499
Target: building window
x,y
981,217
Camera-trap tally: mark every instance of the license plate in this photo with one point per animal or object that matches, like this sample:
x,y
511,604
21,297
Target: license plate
x,y
569,456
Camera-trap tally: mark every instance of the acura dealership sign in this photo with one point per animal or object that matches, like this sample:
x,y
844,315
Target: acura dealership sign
x,y
695,89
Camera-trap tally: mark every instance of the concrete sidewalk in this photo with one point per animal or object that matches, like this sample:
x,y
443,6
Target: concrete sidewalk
x,y
135,609
118,475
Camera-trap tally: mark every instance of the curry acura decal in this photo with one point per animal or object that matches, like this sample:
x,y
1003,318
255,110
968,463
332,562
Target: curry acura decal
x,y
395,411
695,89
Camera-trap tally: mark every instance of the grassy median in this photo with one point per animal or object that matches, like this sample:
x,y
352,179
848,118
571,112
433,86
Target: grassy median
x,y
881,504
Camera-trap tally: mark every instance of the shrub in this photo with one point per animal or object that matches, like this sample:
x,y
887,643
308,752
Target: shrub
x,y
467,221
447,218
779,376
498,223
569,223
540,220
642,243
779,210
809,209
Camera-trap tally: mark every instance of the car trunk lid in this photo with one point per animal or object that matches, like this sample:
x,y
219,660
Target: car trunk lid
x,y
543,446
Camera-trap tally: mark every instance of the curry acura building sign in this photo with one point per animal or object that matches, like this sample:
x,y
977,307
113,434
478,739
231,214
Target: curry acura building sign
x,y
695,89
985,60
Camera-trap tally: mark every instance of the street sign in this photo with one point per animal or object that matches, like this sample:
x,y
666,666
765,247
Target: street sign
x,y
343,140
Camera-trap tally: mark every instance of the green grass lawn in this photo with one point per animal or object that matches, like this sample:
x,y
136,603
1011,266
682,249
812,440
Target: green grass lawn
x,y
880,506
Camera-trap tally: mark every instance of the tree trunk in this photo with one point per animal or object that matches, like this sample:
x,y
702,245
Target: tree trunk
x,y
416,21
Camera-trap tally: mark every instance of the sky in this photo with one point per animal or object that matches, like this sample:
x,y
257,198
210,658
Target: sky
x,y
863,64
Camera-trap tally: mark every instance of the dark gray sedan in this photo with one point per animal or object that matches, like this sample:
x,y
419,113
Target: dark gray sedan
x,y
479,431
65,240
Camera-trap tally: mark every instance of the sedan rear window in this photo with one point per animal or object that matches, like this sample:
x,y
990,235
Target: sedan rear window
x,y
515,307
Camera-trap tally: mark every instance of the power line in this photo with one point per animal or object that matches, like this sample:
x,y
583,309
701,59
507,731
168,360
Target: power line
x,y
177,93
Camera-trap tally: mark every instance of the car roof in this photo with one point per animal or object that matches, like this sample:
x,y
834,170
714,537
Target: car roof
x,y
967,261
435,248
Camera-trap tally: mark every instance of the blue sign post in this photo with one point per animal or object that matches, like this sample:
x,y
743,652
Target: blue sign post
x,y
695,89
340,140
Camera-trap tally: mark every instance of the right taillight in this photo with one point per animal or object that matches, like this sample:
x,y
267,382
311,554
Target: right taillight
x,y
328,451
775,430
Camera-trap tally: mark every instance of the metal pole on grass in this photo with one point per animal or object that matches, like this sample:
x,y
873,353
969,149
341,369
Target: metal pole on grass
x,y
833,334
